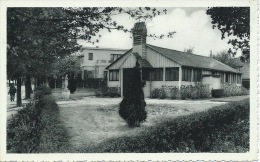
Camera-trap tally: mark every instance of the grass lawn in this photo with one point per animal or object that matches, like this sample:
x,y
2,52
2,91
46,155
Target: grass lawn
x,y
90,124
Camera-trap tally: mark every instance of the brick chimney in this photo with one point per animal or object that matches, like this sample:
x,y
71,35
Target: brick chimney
x,y
139,39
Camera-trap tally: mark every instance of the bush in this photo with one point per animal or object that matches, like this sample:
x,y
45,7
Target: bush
x,y
37,128
217,93
233,90
104,91
41,90
72,86
197,91
132,107
208,131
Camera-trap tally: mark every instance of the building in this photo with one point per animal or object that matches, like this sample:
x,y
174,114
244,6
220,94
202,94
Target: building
x,y
167,67
244,68
95,60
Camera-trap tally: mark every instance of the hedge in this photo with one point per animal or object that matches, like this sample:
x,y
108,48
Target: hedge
x,y
208,131
37,128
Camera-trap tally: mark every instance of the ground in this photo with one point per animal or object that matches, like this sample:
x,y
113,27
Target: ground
x,y
92,120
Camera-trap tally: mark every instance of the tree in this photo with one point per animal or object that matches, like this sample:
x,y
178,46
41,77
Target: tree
x,y
69,65
225,57
189,50
37,37
132,107
235,22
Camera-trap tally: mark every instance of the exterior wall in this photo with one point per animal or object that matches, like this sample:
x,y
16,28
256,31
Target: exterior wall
x,y
113,83
101,59
118,63
214,82
206,72
129,62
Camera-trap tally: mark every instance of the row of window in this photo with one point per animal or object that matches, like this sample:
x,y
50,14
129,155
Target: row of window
x,y
113,57
172,74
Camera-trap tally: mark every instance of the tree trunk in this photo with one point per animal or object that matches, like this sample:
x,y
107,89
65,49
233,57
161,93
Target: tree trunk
x,y
19,92
28,87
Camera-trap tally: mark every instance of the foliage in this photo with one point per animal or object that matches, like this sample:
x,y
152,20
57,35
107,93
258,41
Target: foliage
x,y
67,65
41,90
233,89
217,93
233,21
132,107
208,131
189,50
72,85
226,58
158,93
197,91
37,128
104,91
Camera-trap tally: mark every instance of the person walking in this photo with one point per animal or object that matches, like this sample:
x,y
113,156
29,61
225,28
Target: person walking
x,y
12,92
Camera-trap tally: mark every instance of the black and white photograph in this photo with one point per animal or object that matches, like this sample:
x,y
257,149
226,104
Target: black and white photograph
x,y
102,79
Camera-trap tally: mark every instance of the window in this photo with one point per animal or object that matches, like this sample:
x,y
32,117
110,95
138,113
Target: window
x,y
157,74
222,77
227,77
90,56
172,74
196,75
239,78
114,75
145,74
233,78
114,57
105,75
186,74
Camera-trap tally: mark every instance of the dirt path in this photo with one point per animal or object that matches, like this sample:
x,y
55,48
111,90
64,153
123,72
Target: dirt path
x,y
93,120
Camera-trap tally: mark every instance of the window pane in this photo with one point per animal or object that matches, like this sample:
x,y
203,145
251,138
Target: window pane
x,y
90,56
157,74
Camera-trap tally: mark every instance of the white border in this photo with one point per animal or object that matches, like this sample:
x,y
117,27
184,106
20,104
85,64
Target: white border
x,y
252,155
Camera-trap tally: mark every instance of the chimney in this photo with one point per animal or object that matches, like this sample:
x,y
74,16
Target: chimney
x,y
139,39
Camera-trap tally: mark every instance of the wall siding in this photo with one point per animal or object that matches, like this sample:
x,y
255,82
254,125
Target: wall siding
x,y
130,62
158,60
118,63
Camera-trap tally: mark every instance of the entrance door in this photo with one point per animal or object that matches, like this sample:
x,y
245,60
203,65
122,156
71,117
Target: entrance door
x,y
128,74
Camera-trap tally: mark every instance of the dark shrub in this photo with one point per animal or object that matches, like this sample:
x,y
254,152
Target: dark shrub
x,y
132,107
217,93
72,85
41,90
37,128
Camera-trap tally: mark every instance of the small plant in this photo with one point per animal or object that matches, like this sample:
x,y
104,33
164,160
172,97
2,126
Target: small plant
x,y
132,107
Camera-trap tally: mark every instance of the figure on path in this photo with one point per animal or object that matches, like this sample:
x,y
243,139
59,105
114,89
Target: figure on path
x,y
12,92
66,82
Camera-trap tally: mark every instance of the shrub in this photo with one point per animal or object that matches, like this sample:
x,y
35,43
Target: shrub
x,y
208,131
233,90
37,128
42,90
186,92
217,93
72,86
108,91
132,107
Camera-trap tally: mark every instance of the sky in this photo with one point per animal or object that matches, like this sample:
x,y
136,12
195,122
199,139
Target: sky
x,y
192,26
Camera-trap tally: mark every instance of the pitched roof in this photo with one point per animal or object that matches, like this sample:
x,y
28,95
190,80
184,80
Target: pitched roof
x,y
143,62
192,60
